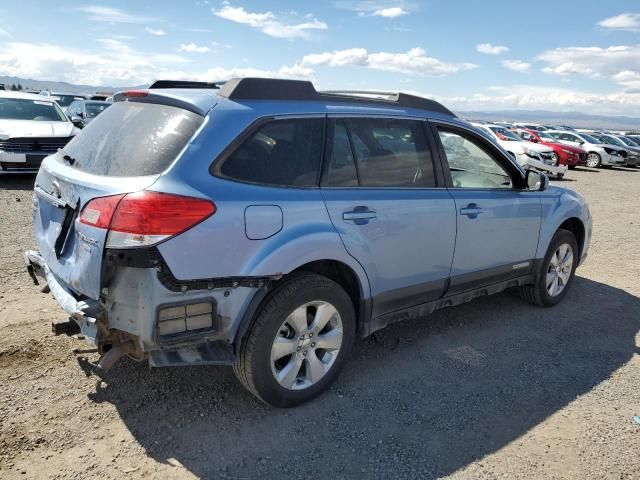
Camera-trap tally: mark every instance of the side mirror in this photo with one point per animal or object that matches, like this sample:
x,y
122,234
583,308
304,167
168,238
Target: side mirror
x,y
534,140
77,121
536,181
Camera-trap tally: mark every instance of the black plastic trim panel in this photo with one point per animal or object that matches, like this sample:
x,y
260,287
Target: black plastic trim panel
x,y
151,258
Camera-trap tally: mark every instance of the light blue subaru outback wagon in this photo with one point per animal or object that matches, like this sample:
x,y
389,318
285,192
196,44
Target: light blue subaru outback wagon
x,y
266,225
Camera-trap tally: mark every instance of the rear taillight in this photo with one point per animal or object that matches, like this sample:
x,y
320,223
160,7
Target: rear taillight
x,y
145,218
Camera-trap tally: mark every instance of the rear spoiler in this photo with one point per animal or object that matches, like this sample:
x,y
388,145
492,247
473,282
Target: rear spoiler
x,y
171,99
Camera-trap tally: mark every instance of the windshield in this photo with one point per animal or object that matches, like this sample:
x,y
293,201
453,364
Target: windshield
x,y
601,139
35,110
628,141
95,108
64,100
504,134
614,140
590,139
132,139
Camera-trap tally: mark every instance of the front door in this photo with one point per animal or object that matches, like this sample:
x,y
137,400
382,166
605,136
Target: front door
x,y
382,195
498,224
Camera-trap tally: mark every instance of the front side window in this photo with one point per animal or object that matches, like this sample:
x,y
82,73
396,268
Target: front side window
x,y
470,163
382,152
284,152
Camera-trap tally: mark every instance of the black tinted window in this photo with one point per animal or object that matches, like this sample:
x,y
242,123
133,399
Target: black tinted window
x,y
133,139
340,168
391,153
281,152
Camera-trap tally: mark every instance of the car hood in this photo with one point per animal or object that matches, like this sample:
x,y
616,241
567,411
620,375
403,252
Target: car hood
x,y
536,147
29,128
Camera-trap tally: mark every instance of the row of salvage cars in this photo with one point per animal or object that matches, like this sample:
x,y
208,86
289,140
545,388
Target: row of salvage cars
x,y
34,125
555,150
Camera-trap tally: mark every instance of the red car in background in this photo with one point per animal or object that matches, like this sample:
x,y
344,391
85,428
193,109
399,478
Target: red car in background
x,y
563,154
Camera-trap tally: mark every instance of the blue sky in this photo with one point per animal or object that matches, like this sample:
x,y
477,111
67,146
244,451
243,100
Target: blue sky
x,y
554,55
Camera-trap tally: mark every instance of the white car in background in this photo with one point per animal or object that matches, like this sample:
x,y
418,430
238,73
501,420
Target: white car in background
x,y
528,154
598,153
31,128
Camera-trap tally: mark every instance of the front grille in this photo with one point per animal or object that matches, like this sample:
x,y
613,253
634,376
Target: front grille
x,y
18,167
35,144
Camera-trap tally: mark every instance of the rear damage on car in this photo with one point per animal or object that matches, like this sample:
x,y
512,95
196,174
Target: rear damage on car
x,y
99,213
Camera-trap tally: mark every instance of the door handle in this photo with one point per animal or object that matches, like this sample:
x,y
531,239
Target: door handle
x,y
359,216
472,210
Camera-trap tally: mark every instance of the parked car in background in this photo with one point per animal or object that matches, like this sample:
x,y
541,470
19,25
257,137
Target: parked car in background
x,y
530,126
81,112
598,152
528,154
232,242
31,127
633,153
62,99
562,154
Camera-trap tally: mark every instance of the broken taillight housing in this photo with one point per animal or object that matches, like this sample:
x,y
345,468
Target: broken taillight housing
x,y
144,218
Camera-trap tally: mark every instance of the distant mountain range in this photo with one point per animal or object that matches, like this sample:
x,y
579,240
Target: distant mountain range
x,y
61,87
574,119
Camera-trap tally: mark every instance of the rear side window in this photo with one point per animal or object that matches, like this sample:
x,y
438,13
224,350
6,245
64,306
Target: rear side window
x,y
133,139
382,152
282,153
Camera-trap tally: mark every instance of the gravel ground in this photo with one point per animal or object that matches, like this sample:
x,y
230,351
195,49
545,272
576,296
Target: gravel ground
x,y
492,389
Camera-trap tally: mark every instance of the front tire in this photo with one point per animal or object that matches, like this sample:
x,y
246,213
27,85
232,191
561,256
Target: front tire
x,y
557,272
594,160
299,341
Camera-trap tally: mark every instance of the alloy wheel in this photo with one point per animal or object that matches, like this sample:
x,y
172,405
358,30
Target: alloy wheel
x,y
559,269
306,345
593,159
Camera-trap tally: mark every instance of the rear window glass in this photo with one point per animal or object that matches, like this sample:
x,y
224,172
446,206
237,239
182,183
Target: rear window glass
x,y
282,152
132,139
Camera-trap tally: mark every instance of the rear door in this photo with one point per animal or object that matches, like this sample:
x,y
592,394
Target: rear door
x,y
386,200
124,150
498,223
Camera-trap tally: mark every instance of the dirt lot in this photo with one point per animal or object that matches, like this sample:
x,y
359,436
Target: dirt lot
x,y
492,389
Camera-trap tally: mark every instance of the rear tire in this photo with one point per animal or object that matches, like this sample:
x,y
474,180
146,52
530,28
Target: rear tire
x,y
279,360
556,274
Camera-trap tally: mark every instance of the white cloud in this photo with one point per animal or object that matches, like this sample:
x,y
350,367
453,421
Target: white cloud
x,y
614,63
4,32
624,21
531,97
115,63
269,23
415,61
100,13
379,8
489,49
516,65
391,12
193,48
153,31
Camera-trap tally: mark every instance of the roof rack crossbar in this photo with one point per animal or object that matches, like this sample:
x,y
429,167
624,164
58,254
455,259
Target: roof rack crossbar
x,y
281,89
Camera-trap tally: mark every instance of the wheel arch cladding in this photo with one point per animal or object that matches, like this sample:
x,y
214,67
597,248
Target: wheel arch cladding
x,y
335,270
575,226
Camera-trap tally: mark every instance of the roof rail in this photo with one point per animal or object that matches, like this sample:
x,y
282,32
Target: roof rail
x,y
185,84
280,89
